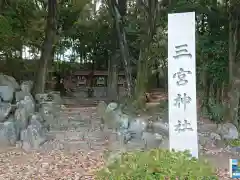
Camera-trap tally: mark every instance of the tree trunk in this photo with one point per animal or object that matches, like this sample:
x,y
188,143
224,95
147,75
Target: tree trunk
x,y
118,10
143,65
157,74
112,79
47,47
234,69
142,77
206,91
2,3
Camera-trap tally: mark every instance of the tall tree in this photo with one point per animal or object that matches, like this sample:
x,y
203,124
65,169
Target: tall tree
x,y
234,61
47,46
118,11
149,11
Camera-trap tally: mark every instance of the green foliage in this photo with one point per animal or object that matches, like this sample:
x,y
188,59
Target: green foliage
x,y
156,164
234,142
215,111
5,28
90,35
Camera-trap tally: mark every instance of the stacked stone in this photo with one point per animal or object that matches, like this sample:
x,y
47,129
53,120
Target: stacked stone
x,y
153,133
21,123
130,128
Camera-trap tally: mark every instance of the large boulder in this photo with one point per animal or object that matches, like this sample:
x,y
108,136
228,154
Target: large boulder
x,y
26,86
8,134
6,93
20,95
115,118
6,80
101,108
228,131
123,120
21,118
25,109
109,120
5,109
49,113
160,127
138,126
151,140
33,136
36,117
28,104
111,107
205,140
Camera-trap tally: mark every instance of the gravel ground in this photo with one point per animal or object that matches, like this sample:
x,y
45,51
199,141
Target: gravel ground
x,y
55,165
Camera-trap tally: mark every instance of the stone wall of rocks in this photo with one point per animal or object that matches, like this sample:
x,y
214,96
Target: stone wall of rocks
x,y
153,132
130,128
24,121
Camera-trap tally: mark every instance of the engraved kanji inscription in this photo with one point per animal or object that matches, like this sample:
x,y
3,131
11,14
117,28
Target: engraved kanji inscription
x,y
182,100
183,126
182,50
181,75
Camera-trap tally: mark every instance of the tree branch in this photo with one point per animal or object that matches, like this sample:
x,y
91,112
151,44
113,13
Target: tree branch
x,y
141,3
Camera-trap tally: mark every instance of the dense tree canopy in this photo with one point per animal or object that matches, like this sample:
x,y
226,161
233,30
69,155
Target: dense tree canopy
x,y
129,35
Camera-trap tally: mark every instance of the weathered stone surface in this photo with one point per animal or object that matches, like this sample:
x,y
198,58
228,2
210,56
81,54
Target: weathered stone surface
x,y
6,93
215,136
25,108
51,97
33,136
8,133
5,109
235,149
28,104
26,86
37,116
151,140
203,140
210,139
160,127
21,119
137,127
228,131
20,95
49,113
6,80
111,107
101,108
123,120
41,98
110,120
